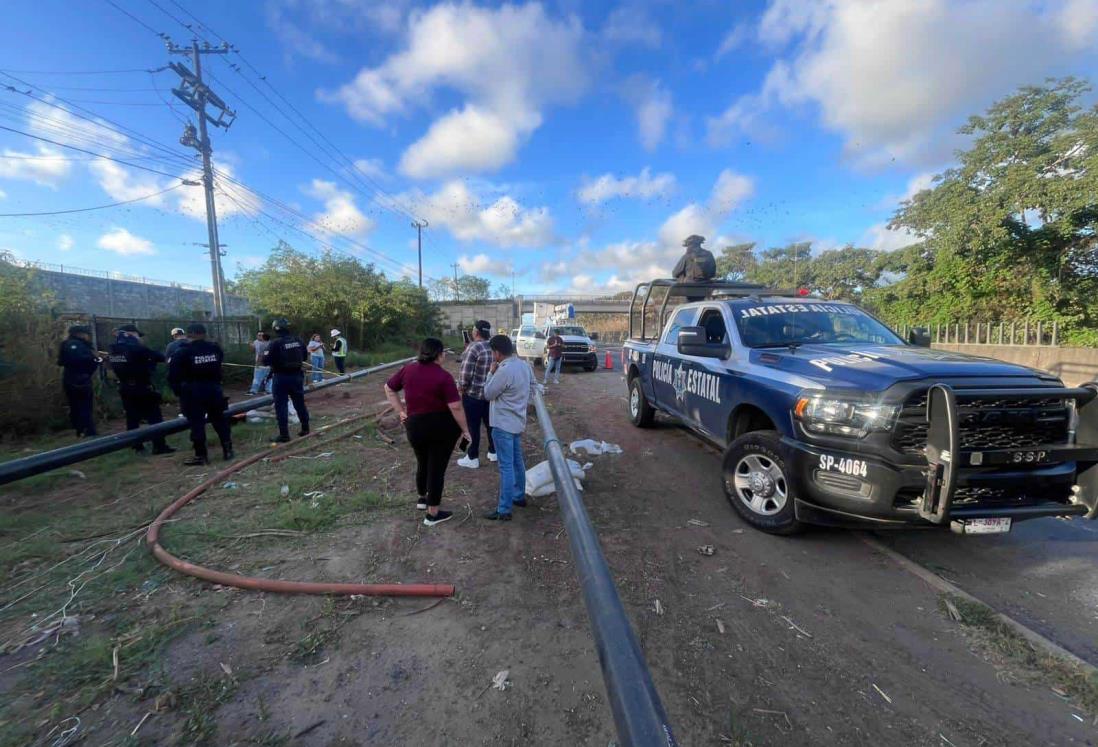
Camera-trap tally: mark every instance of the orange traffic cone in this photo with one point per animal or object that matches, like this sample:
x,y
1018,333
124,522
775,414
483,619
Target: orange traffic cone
x,y
609,361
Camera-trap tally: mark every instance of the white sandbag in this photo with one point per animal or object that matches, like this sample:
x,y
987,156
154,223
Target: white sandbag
x,y
539,478
593,447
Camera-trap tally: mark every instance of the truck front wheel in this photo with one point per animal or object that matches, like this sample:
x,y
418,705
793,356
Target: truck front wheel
x,y
757,485
641,413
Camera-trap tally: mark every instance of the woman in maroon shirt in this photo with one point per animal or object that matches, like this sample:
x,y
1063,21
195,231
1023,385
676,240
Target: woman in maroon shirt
x,y
433,417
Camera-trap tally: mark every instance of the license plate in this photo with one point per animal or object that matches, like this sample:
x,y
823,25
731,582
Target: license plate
x,y
986,526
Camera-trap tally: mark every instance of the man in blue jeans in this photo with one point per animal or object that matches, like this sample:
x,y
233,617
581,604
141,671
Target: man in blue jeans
x,y
510,381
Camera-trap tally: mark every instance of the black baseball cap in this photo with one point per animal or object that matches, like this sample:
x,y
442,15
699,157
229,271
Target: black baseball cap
x,y
131,328
196,329
79,329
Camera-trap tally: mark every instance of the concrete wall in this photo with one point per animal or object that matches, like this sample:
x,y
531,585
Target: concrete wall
x,y
1073,365
500,314
125,298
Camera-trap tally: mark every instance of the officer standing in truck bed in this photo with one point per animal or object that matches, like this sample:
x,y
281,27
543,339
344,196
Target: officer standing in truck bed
x,y
194,374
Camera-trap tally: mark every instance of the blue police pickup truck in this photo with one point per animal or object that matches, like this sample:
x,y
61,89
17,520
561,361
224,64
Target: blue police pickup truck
x,y
826,416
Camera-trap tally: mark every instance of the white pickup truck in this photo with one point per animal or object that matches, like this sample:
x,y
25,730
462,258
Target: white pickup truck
x,y
579,347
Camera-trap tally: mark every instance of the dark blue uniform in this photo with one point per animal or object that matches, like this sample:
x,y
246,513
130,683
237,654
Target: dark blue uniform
x,y
285,355
194,374
134,364
80,363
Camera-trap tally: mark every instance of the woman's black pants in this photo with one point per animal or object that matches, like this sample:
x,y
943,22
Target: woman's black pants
x,y
432,436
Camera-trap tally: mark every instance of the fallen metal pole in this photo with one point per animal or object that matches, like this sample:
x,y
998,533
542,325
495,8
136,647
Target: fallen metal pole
x,y
18,469
634,702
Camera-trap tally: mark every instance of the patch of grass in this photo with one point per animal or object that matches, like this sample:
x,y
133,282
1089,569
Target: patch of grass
x,y
199,703
991,633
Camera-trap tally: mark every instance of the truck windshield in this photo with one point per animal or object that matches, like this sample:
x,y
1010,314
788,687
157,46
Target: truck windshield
x,y
779,325
577,331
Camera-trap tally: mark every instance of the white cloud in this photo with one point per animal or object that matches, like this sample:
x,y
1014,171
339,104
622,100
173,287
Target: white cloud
x,y
736,37
729,191
121,241
915,185
507,63
373,168
482,264
128,184
231,199
65,242
340,215
895,78
3,195
878,236
631,24
504,222
298,24
653,107
47,167
643,186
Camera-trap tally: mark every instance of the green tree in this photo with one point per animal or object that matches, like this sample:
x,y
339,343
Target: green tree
x,y
319,292
784,267
472,288
736,262
845,273
1009,232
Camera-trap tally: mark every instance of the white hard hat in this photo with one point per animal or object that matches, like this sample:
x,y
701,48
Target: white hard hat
x,y
335,333
178,331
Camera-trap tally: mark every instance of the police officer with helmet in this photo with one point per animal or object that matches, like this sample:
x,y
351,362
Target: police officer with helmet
x,y
80,362
285,355
134,363
194,374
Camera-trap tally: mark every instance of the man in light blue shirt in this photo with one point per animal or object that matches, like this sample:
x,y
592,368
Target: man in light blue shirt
x,y
507,388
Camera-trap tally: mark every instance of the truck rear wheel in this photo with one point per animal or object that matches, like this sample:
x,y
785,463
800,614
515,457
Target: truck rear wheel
x,y
757,485
641,413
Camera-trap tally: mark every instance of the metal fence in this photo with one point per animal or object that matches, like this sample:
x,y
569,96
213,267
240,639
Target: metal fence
x,y
1024,333
70,270
229,333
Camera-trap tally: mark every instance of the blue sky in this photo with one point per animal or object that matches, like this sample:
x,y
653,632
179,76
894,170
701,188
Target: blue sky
x,y
573,143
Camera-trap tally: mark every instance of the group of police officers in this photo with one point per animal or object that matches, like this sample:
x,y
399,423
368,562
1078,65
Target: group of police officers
x,y
194,374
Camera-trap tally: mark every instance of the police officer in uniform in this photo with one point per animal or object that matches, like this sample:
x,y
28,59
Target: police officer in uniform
x,y
285,355
80,362
133,363
194,374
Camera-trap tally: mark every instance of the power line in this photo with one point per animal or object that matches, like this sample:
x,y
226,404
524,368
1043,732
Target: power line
x,y
89,209
90,153
85,72
123,11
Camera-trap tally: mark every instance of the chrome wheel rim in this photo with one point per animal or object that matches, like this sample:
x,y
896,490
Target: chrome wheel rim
x,y
760,484
634,401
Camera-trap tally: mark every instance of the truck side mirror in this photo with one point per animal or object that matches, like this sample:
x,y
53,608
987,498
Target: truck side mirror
x,y
919,337
594,336
692,341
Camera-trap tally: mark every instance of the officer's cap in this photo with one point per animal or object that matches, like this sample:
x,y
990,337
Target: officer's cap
x,y
693,240
196,329
280,324
131,328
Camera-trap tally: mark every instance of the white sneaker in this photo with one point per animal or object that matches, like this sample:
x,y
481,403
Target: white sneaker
x,y
470,463
492,456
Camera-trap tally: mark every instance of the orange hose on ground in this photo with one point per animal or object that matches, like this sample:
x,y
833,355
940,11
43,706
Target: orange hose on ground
x,y
152,539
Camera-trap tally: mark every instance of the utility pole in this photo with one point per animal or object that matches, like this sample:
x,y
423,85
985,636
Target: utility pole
x,y
196,94
419,226
455,266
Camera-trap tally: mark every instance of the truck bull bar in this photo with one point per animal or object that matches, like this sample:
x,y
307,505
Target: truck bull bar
x,y
638,713
18,469
946,455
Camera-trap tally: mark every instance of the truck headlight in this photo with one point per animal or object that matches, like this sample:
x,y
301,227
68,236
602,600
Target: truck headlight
x,y
842,417
592,348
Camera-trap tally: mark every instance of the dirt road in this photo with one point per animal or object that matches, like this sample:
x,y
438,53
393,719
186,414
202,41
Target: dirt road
x,y
808,640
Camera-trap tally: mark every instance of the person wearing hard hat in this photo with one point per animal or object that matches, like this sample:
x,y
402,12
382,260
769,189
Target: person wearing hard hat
x,y
179,339
339,351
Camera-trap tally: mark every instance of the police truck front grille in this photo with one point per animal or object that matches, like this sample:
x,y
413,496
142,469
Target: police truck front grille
x,y
1008,423
575,347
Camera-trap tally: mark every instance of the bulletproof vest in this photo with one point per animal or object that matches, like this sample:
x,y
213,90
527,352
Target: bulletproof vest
x,y
200,362
286,354
700,266
131,363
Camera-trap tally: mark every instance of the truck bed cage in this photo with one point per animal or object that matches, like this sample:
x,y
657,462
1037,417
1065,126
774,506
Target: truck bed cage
x,y
693,291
